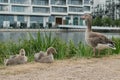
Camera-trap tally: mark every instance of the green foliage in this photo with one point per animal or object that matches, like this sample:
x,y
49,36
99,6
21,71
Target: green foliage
x,y
97,21
61,48
83,51
72,50
106,21
117,45
117,22
42,42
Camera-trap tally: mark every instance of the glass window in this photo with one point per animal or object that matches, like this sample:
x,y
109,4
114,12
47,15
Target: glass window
x,y
6,18
19,1
40,2
19,9
58,2
10,18
75,2
3,8
20,18
67,20
59,9
2,18
86,8
4,1
86,1
36,19
41,9
81,21
36,22
76,9
75,21
52,19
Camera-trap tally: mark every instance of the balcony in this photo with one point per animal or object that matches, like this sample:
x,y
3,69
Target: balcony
x,y
87,2
87,8
76,9
19,1
40,2
75,2
59,9
3,1
41,10
19,9
3,8
58,2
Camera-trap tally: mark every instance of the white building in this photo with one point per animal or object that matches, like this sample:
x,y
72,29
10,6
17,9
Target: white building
x,y
42,13
110,8
113,8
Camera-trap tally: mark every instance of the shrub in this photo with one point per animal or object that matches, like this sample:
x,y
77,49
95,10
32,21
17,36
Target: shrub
x,y
107,21
117,22
97,21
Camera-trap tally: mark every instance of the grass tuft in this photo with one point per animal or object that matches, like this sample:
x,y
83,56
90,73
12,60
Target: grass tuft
x,y
42,42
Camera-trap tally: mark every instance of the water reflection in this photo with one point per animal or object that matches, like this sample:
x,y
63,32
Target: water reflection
x,y
66,36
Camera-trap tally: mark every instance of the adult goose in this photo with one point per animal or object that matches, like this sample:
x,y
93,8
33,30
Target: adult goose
x,y
94,39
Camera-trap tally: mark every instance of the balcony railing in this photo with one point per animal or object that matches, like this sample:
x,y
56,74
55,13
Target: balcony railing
x,y
86,8
40,2
59,9
19,9
86,1
41,10
58,2
19,1
3,1
76,9
3,8
75,2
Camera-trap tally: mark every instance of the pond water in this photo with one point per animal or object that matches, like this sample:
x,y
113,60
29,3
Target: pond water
x,y
66,36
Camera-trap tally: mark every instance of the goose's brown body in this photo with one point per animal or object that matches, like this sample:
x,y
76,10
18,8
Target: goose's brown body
x,y
94,39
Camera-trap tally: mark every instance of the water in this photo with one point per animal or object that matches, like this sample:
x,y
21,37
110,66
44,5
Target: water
x,y
76,37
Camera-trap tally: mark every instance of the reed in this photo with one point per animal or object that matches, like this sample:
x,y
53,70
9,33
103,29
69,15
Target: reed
x,y
42,42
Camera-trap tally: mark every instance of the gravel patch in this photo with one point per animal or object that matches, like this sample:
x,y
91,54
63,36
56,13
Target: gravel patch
x,y
107,68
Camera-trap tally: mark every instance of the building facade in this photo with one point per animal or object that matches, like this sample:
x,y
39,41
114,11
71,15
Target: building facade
x,y
113,9
110,8
42,13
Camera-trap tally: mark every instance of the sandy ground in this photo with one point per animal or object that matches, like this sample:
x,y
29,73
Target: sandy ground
x,y
107,68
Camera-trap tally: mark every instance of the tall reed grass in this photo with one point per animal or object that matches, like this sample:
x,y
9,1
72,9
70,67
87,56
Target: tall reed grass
x,y
64,50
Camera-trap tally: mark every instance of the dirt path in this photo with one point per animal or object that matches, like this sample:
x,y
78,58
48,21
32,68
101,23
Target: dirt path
x,y
107,68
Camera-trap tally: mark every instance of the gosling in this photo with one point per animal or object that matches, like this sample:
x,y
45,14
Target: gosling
x,y
45,57
16,59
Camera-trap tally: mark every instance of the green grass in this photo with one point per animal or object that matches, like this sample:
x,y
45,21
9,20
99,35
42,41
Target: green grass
x,y
64,50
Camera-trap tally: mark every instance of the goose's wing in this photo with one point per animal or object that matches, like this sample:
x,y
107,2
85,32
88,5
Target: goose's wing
x,y
42,54
46,59
38,56
98,38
